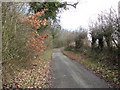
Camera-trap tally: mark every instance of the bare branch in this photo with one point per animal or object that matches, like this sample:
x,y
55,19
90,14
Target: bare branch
x,y
74,5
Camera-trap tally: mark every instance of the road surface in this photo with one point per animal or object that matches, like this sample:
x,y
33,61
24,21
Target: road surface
x,y
70,74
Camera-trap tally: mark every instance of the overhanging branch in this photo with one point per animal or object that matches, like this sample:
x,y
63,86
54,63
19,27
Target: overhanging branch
x,y
74,5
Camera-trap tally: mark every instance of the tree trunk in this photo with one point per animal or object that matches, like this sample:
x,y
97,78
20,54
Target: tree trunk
x,y
93,43
101,44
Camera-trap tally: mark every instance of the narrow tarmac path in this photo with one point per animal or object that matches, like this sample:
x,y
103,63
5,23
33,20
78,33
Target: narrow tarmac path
x,y
70,74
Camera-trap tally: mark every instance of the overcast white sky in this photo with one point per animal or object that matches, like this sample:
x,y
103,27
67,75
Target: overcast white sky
x,y
85,11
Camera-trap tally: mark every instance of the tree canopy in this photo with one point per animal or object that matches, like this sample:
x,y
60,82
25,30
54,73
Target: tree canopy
x,y
53,8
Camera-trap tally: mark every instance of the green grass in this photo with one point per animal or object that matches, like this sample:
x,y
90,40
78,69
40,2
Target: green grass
x,y
47,55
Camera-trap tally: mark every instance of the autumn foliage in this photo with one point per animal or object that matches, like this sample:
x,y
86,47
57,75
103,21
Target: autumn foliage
x,y
36,42
35,21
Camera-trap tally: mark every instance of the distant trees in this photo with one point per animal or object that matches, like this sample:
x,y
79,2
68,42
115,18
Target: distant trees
x,y
79,39
75,39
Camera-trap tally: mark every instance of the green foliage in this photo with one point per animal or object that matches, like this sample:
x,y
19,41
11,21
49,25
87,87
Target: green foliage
x,y
53,8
